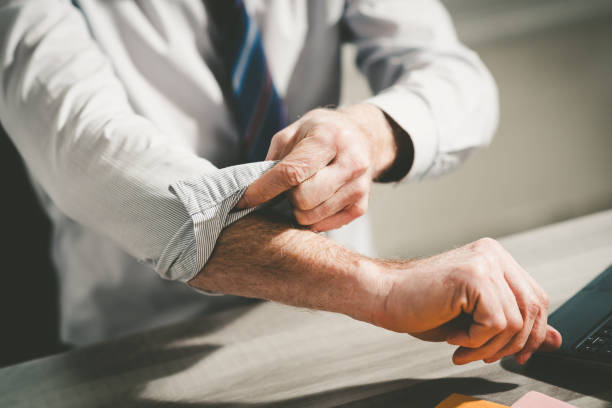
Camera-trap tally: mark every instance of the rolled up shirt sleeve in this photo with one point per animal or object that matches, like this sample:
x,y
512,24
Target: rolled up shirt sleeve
x,y
435,88
99,162
209,200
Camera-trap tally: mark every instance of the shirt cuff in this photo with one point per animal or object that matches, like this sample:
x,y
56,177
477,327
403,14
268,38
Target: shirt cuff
x,y
209,200
412,113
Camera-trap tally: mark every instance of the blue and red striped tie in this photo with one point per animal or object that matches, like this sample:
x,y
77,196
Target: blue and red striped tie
x,y
259,110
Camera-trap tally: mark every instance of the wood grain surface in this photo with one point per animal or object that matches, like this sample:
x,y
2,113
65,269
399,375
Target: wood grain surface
x,y
266,354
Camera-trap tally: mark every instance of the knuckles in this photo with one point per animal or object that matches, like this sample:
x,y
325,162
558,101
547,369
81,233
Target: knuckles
x,y
514,324
293,173
484,258
544,299
498,323
281,139
317,113
533,306
301,199
326,132
486,246
476,269
359,164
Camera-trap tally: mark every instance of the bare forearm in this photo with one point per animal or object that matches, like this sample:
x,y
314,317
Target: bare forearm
x,y
262,258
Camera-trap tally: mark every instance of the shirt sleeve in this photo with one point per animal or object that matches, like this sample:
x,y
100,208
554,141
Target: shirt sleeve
x,y
99,162
435,88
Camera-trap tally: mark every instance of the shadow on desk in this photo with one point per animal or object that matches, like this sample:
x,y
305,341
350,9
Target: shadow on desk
x,y
582,379
184,365
168,351
405,393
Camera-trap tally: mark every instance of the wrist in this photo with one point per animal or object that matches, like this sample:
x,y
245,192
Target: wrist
x,y
372,286
378,130
392,276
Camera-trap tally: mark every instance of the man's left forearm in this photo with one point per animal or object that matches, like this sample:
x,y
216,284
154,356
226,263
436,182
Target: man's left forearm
x,y
263,257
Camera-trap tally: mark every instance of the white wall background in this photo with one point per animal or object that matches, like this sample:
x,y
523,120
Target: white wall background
x,y
552,157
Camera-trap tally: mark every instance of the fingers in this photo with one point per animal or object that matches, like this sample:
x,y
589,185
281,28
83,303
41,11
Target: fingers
x,y
343,217
507,309
532,302
488,317
534,315
328,181
519,340
514,324
319,188
307,158
319,154
536,338
533,334
489,350
547,339
353,194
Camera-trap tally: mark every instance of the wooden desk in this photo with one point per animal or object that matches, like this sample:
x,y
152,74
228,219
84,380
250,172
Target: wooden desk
x,y
273,355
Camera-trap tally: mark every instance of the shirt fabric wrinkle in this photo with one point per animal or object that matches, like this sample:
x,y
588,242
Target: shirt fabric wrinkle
x,y
129,169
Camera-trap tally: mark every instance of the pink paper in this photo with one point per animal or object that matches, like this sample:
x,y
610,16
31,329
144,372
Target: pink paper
x,y
534,399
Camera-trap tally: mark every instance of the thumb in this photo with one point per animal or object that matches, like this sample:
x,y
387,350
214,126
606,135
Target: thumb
x,y
307,158
272,183
450,329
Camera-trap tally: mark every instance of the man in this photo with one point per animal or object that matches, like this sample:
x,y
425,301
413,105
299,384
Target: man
x,y
128,114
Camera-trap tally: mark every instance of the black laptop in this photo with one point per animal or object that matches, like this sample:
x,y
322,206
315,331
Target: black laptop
x,y
585,322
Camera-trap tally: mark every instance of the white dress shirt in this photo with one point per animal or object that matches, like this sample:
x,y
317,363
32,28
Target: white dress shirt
x,y
124,129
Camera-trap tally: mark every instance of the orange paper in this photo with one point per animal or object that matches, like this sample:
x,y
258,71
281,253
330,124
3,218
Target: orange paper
x,y
463,401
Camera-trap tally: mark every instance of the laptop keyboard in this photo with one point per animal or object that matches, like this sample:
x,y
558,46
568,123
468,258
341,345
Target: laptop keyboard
x,y
599,343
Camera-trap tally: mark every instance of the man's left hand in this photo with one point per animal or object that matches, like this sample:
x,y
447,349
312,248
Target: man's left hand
x,y
328,159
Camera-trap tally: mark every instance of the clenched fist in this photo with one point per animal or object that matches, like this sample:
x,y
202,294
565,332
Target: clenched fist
x,y
476,297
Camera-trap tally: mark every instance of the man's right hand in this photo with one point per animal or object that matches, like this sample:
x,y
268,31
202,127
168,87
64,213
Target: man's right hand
x,y
476,297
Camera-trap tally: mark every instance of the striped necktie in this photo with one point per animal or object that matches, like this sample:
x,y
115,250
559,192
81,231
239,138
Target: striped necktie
x,y
259,110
